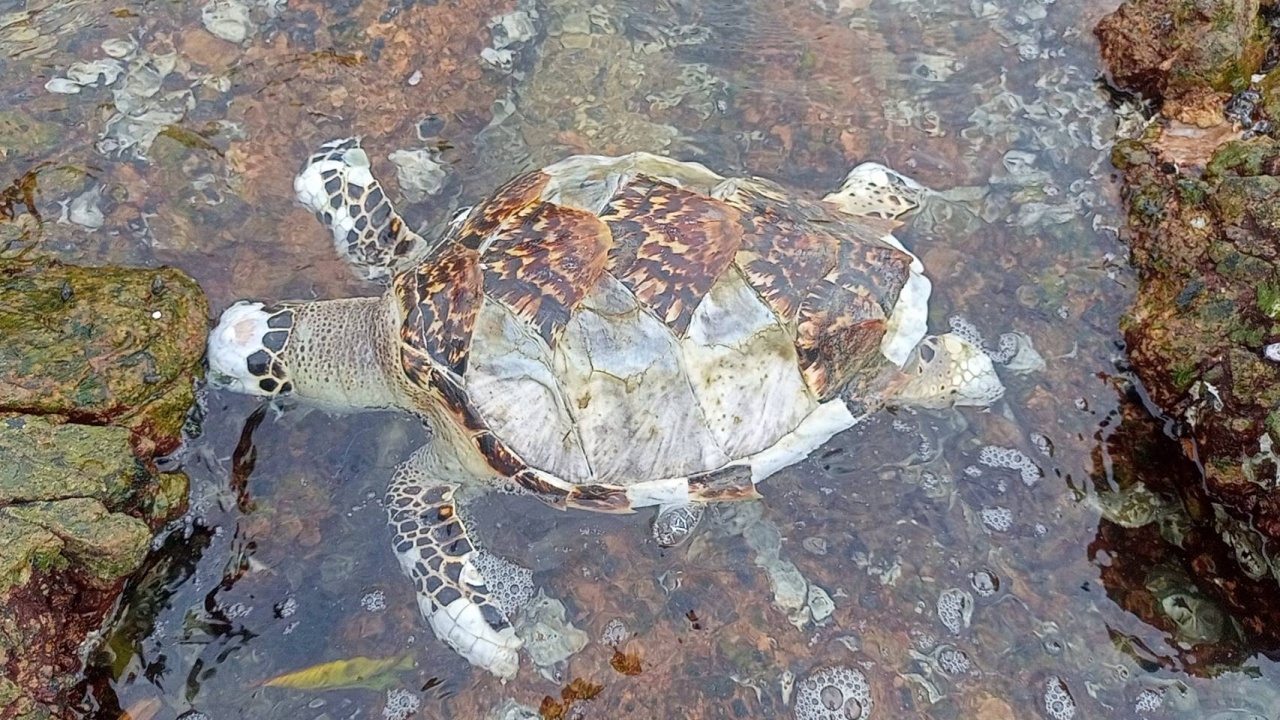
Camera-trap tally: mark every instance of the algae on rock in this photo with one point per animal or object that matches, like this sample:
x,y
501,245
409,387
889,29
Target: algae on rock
x,y
102,346
1204,229
97,373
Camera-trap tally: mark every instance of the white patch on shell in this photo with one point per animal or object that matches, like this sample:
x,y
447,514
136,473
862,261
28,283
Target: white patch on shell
x,y
237,335
743,369
621,373
671,491
908,322
582,181
509,379
462,626
817,428
828,419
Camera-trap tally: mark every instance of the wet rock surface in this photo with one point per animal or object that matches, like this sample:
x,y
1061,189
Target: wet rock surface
x,y
1201,183
102,346
1173,48
283,562
97,369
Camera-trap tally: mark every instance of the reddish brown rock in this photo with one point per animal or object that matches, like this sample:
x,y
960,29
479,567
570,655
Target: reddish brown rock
x,y
1204,229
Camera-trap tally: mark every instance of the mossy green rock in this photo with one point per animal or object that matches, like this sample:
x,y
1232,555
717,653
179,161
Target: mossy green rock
x,y
1165,48
104,547
1208,263
102,346
24,548
47,461
97,370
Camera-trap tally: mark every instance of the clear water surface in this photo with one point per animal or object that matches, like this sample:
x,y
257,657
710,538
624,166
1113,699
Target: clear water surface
x,y
179,149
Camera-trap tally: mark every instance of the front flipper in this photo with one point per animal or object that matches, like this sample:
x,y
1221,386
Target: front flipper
x,y
434,550
336,184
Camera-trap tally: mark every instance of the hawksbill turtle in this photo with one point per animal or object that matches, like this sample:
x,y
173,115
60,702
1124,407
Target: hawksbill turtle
x,y
604,333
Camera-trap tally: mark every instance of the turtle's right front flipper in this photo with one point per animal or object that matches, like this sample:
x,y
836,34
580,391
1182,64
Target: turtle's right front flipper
x,y
337,185
465,607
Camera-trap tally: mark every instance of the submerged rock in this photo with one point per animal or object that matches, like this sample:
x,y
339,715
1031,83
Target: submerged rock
x,y
1172,48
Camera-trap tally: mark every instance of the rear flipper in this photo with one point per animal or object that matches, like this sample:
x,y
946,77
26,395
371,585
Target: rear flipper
x,y
337,185
804,603
674,523
465,594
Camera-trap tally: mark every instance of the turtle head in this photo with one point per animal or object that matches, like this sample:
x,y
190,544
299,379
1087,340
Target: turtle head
x,y
945,371
247,349
336,353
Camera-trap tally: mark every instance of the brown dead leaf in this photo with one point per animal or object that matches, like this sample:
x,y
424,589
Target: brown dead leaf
x,y
143,709
627,663
577,689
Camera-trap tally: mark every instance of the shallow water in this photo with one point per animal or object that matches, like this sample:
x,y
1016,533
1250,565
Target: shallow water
x,y
283,560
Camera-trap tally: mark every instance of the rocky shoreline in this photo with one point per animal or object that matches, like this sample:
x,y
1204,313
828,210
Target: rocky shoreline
x,y
1201,184
97,378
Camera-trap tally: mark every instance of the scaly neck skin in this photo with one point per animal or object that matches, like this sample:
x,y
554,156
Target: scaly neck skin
x,y
343,354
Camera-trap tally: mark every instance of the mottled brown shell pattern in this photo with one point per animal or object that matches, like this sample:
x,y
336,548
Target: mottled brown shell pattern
x,y
827,276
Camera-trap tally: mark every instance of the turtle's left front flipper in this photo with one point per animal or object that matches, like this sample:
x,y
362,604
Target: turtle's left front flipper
x,y
464,593
337,185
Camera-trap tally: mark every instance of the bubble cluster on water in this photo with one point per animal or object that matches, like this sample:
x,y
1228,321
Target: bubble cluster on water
x,y
924,641
374,601
1011,459
400,704
953,661
902,426
955,608
237,610
1042,444
834,692
1149,700
615,631
965,330
1057,700
999,519
973,471
510,585
286,608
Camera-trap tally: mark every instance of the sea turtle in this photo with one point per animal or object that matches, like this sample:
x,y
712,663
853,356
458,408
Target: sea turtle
x,y
605,333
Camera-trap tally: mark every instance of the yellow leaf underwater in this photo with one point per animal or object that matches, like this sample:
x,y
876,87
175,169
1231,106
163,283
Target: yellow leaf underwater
x,y
357,672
